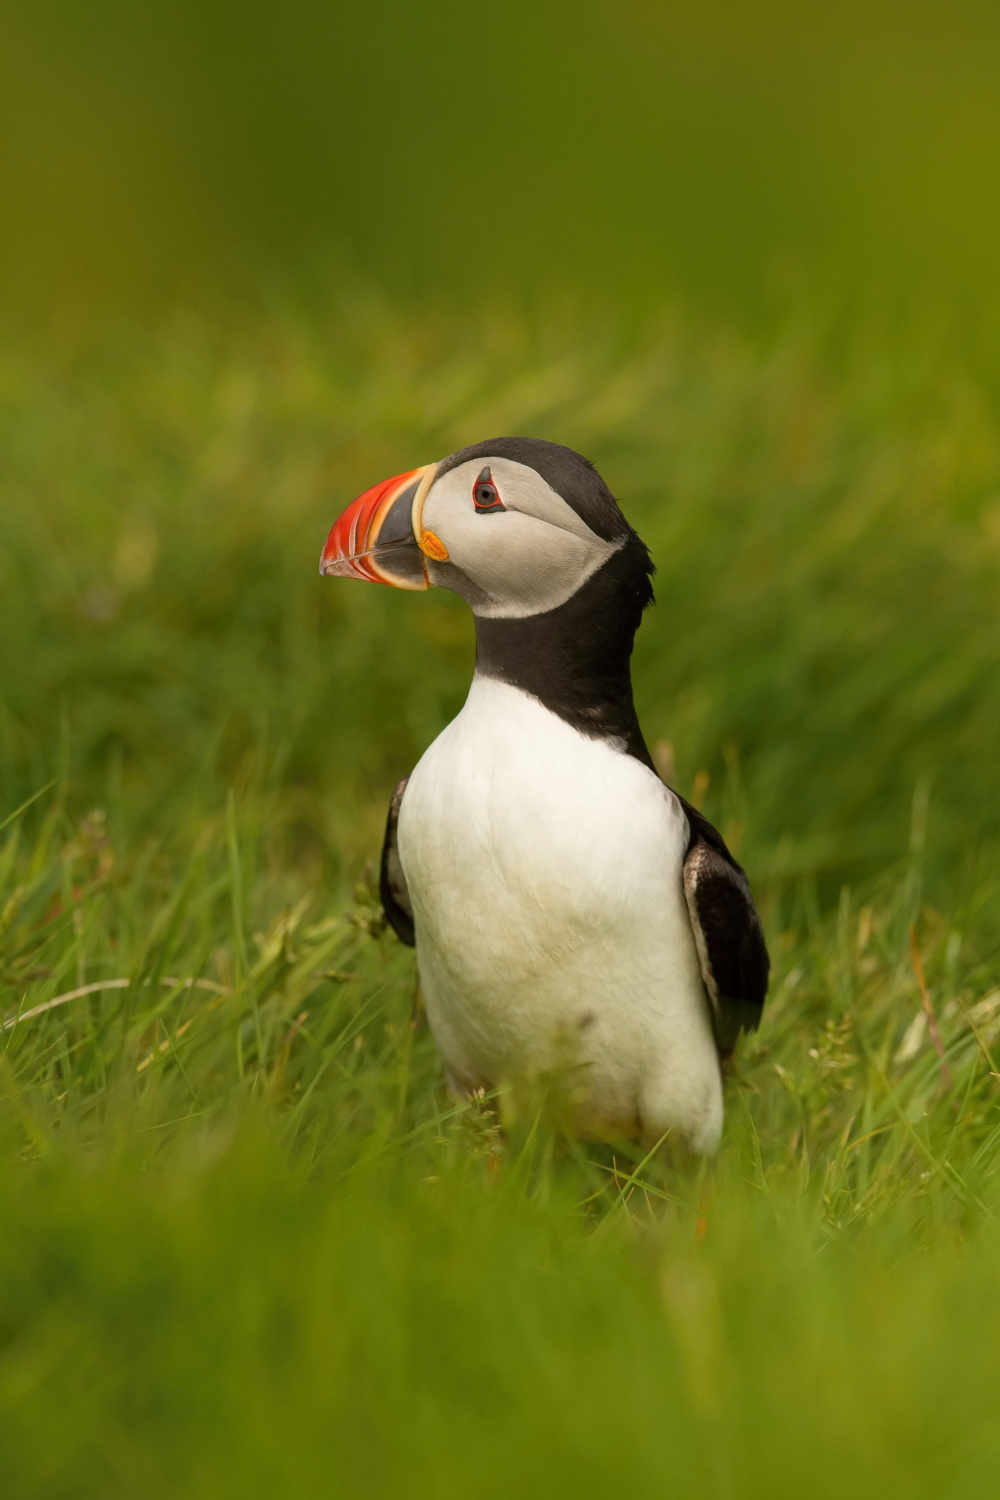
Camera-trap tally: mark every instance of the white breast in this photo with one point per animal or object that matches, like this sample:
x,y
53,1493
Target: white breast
x,y
544,869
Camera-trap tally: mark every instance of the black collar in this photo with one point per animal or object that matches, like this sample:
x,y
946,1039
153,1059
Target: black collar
x,y
576,659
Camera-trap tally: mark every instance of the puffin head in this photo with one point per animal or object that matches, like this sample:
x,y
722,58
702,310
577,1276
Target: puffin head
x,y
516,526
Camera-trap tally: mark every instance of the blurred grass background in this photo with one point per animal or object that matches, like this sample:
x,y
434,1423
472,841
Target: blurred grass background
x,y
255,258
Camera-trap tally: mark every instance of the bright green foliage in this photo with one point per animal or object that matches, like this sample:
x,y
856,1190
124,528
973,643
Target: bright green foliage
x,y
251,1245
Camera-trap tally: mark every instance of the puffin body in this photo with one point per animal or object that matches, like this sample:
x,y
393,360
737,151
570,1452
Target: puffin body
x,y
570,911
545,874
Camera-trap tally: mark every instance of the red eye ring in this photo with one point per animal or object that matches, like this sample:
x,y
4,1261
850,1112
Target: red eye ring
x,y
484,494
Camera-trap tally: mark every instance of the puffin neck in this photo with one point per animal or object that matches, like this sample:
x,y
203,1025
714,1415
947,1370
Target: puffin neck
x,y
576,659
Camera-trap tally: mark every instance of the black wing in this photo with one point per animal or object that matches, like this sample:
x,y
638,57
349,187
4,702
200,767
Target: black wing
x,y
727,932
391,881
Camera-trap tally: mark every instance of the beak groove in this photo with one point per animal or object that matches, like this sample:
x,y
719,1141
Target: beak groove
x,y
374,537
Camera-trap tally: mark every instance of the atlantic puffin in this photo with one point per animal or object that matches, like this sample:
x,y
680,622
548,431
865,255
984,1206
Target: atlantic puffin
x,y
563,901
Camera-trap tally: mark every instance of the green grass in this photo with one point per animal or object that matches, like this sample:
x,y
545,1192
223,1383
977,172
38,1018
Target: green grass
x,y
251,1245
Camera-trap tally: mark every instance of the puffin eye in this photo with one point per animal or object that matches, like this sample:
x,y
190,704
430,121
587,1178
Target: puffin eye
x,y
484,494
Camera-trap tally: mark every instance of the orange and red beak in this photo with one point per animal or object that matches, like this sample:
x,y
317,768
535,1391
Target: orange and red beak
x,y
378,536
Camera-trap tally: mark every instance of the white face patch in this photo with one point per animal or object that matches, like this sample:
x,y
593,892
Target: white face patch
x,y
523,560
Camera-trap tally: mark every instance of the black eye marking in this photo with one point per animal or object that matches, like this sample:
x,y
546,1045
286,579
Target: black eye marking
x,y
484,495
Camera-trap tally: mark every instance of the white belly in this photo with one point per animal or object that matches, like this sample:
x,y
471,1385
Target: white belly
x,y
544,869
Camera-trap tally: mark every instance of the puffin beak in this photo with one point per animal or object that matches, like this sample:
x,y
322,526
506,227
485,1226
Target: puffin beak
x,y
375,537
